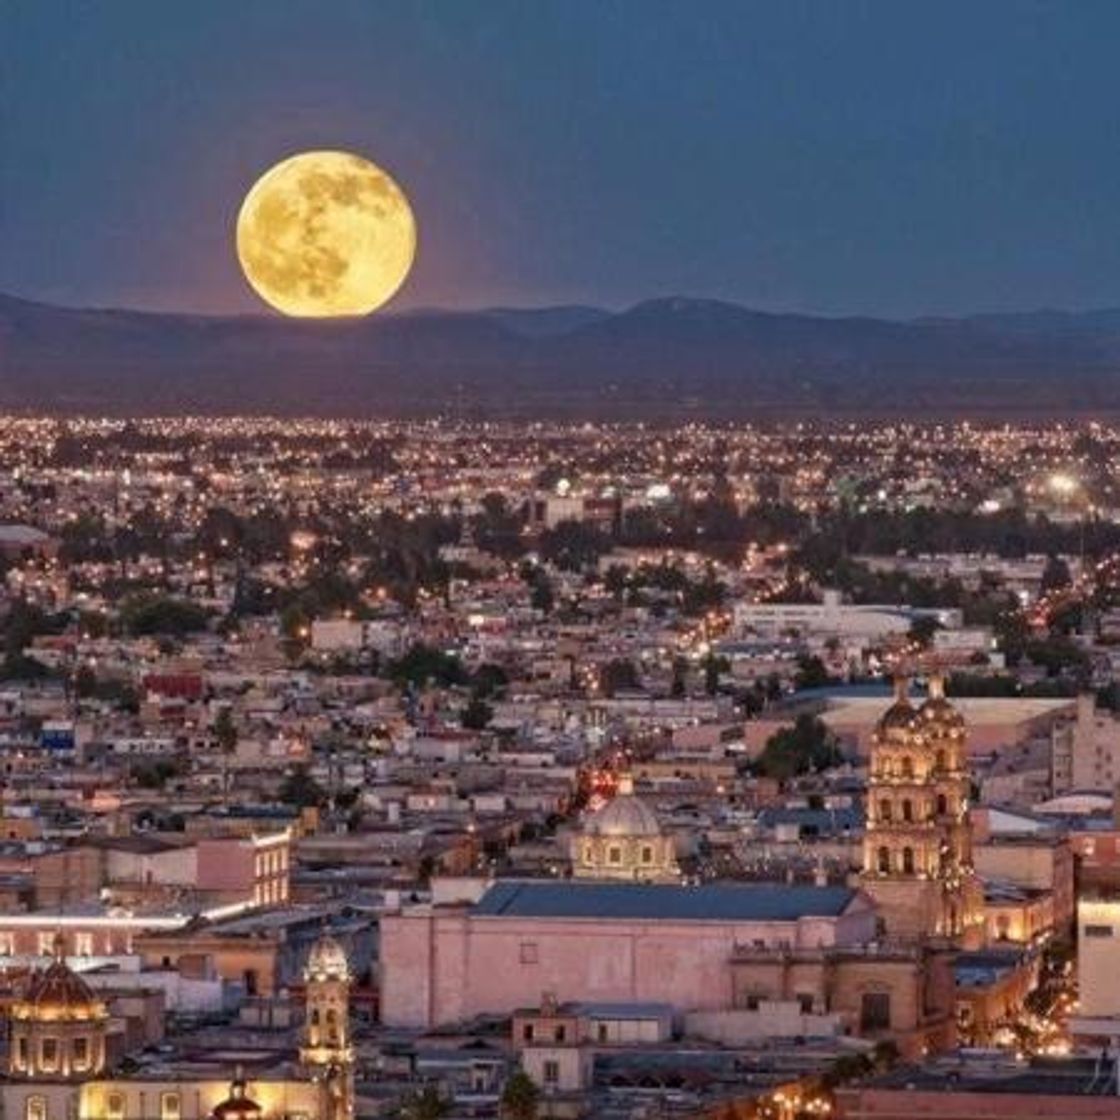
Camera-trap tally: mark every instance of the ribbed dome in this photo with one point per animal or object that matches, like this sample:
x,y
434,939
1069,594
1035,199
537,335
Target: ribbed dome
x,y
901,715
327,960
937,715
624,815
57,992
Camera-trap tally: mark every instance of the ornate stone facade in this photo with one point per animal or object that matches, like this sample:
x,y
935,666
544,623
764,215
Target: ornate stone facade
x,y
917,861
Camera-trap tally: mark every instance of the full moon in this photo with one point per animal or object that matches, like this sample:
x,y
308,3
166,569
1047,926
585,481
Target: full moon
x,y
325,234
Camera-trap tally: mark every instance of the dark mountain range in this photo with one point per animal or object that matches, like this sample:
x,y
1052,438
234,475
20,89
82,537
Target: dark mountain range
x,y
660,359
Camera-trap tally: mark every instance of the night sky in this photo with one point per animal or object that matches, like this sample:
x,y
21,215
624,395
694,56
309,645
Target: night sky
x,y
894,158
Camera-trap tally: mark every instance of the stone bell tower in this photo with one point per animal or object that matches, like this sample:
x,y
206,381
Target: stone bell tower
x,y
326,1052
917,858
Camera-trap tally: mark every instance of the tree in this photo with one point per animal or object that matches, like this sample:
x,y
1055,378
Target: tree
x,y
619,675
922,630
806,746
300,789
520,1097
225,735
714,665
477,714
427,1103
1055,576
542,597
811,673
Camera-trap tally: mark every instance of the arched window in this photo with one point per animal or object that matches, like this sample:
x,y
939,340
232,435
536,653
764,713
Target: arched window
x,y
884,810
908,861
332,1027
884,858
36,1108
907,809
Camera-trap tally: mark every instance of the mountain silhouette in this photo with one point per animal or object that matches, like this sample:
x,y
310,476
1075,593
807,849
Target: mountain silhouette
x,y
659,359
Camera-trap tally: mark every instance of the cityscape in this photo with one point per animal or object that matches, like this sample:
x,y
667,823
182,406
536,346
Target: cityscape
x,y
439,688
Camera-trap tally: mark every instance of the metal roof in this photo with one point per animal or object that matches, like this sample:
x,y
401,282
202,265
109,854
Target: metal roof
x,y
712,902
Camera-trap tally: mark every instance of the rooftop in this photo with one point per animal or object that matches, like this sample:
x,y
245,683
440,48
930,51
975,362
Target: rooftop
x,y
613,901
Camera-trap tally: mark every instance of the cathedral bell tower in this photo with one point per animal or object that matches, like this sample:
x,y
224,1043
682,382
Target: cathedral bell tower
x,y
917,858
326,1052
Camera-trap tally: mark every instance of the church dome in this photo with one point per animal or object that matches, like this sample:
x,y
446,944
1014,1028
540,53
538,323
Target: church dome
x,y
58,993
901,715
624,815
327,960
938,717
238,1105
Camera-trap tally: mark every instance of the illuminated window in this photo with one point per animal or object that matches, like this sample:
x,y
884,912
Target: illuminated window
x,y
884,810
907,766
83,944
7,944
36,1108
81,1053
21,1054
114,1106
48,1053
46,944
169,1106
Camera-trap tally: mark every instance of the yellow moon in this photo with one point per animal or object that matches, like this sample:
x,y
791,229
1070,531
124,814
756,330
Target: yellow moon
x,y
325,234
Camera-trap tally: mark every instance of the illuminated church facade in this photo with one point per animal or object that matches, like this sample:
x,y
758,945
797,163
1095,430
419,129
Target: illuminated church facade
x,y
57,1068
917,854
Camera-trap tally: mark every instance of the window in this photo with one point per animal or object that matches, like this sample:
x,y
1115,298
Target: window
x,y
83,944
885,811
527,1032
907,766
529,952
1098,931
939,760
48,1053
551,1072
614,855
332,1027
875,1011
753,1002
884,861
36,1108
805,1002
908,861
21,1053
942,804
81,1053
114,1106
250,978
46,944
647,855
907,809
169,1106
7,944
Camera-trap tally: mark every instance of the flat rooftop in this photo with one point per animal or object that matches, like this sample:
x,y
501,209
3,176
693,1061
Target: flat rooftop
x,y
746,902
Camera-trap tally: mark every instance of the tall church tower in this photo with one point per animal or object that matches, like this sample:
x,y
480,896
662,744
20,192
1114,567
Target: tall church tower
x,y
326,1051
917,854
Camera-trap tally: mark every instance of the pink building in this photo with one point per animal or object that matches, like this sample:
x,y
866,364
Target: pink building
x,y
599,941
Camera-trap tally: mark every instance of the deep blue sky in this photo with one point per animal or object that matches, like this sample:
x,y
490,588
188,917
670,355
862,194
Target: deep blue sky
x,y
889,158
